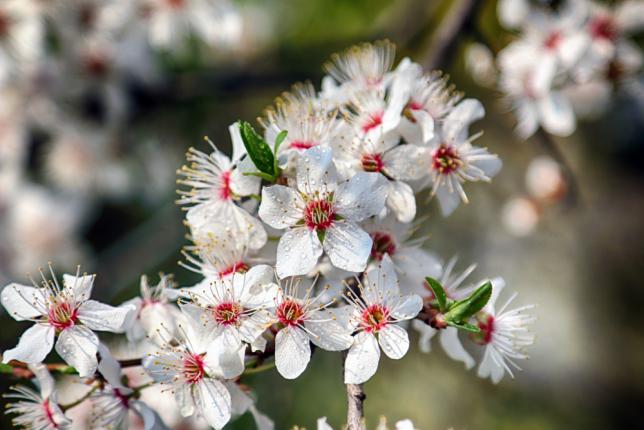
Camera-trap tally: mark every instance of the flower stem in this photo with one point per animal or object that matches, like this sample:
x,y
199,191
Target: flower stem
x,y
355,403
259,369
79,401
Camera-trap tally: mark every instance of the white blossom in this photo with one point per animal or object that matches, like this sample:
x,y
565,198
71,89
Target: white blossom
x,y
62,312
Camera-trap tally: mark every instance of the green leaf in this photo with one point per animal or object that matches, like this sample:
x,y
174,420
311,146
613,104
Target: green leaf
x,y
258,150
262,175
6,368
67,370
465,326
462,310
439,293
278,142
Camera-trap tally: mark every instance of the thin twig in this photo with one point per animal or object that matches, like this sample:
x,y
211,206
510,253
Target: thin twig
x,y
444,41
355,403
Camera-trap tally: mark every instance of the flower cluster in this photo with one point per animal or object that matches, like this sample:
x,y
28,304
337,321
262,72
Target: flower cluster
x,y
567,60
304,239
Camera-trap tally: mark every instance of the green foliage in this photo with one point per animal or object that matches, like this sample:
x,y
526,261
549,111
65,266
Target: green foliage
x,y
260,152
439,293
459,312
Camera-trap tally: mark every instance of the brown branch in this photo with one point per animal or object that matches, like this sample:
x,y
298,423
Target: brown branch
x,y
355,403
444,42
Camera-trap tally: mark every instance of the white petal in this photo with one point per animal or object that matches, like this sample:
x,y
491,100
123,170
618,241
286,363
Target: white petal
x,y
183,394
253,326
426,333
281,206
102,317
81,285
78,345
413,264
292,352
244,185
557,115
490,166
213,402
330,334
489,368
261,421
381,281
225,355
109,367
362,360
297,252
33,346
394,341
239,149
527,119
20,301
512,13
447,200
362,196
408,307
407,162
454,348
347,245
402,201
316,171
151,420
323,425
457,122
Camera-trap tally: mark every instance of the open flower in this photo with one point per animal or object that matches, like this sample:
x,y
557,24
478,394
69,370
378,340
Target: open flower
x,y
216,187
194,371
376,312
152,311
322,215
304,318
65,313
451,160
505,334
37,410
235,308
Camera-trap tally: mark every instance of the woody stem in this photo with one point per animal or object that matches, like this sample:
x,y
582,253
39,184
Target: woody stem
x,y
355,403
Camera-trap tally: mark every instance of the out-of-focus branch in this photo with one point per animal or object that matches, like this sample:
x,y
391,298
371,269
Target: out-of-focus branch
x,y
443,44
550,147
355,403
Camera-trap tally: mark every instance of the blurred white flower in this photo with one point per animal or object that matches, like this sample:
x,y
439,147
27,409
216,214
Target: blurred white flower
x,y
544,179
520,216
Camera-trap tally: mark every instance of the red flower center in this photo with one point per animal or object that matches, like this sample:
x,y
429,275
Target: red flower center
x,y
49,413
227,313
373,120
302,145
375,318
194,368
239,267
485,322
372,162
382,244
125,400
290,313
446,160
224,189
319,214
62,315
603,27
553,40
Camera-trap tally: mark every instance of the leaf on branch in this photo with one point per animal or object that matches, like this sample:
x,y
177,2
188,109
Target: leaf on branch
x,y
258,150
465,326
464,309
439,293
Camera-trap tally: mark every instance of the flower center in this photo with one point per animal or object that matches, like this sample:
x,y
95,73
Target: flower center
x,y
318,214
382,244
375,318
602,27
485,323
194,368
372,162
446,160
290,313
239,267
224,189
553,40
302,145
176,4
373,120
125,400
62,315
227,313
96,65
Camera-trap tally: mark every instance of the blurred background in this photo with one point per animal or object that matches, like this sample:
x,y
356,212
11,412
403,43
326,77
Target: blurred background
x,y
93,126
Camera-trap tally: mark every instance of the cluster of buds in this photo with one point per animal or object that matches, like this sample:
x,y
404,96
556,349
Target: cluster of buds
x,y
304,239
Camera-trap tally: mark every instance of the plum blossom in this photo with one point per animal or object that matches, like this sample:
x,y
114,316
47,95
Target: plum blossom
x,y
194,371
235,308
304,318
504,334
217,186
37,410
375,315
450,159
322,215
153,311
62,312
